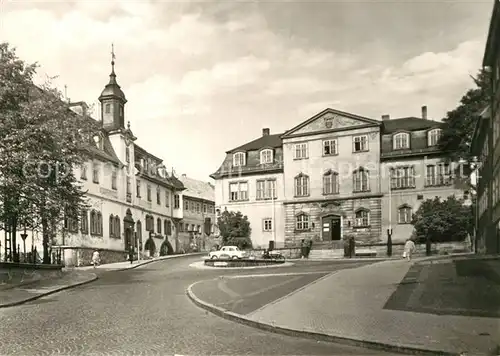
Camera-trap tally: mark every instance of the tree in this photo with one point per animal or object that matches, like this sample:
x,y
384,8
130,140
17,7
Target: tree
x,y
459,124
439,220
234,229
41,141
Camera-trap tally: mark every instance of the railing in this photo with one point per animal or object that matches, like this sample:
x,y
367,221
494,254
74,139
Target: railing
x,y
231,170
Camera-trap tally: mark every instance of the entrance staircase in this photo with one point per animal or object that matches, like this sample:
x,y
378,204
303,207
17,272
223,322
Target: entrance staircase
x,y
327,250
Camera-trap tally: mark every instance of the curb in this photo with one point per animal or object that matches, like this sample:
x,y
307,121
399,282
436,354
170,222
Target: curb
x,y
309,334
158,260
19,302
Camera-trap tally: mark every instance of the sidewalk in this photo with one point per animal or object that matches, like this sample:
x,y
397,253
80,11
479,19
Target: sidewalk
x,y
38,289
125,265
348,306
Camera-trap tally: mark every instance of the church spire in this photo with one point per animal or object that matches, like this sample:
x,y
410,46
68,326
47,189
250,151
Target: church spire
x,y
112,76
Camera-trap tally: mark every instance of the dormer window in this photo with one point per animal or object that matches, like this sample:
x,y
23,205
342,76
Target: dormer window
x,y
98,141
433,137
401,141
266,156
239,159
107,108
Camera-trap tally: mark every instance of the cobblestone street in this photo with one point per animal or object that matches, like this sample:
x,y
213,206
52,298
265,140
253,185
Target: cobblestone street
x,y
146,311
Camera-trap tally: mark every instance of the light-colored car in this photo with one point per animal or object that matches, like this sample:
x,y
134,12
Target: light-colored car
x,y
232,252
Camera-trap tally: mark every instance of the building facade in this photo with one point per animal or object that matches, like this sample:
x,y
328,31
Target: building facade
x,y
250,180
197,229
135,203
341,175
486,146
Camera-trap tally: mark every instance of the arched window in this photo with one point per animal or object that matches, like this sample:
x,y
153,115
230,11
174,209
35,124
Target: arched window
x,y
85,222
401,141
361,180
99,223
404,214
117,227
138,228
158,225
111,226
301,185
330,182
239,159
362,218
433,137
266,156
302,222
93,222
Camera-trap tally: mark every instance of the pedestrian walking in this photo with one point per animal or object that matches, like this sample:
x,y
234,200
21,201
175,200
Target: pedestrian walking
x,y
409,249
96,258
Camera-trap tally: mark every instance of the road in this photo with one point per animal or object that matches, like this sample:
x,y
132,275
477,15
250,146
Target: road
x,y
146,311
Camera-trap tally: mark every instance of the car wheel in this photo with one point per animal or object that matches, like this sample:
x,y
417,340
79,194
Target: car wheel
x,y
235,257
214,257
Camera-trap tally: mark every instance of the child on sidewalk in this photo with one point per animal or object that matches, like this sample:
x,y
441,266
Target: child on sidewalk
x,y
409,249
96,259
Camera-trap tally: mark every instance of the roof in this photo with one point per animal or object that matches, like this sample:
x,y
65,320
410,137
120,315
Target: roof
x,y
112,89
493,33
272,141
197,188
409,124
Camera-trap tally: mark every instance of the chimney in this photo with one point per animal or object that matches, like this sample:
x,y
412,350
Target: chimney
x,y
424,112
386,117
265,132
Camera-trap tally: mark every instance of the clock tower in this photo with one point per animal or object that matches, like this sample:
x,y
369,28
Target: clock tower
x,y
113,102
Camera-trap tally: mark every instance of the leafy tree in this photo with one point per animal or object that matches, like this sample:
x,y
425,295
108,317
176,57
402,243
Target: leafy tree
x,y
460,122
41,140
439,220
234,228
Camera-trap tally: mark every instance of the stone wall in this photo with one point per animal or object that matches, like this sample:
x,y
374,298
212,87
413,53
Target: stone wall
x,y
82,256
345,208
438,248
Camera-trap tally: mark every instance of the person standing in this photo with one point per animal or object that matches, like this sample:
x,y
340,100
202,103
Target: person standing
x,y
409,249
309,247
303,248
96,258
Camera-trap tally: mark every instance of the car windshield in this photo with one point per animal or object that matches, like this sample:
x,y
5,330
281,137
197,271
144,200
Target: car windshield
x,y
236,249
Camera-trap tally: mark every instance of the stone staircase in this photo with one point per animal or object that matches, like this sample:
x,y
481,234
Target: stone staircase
x,y
326,254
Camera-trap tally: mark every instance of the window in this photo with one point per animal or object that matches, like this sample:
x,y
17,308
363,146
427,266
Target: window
x,y
238,191
127,155
117,227
186,204
361,180
138,188
95,223
158,196
111,226
204,208
168,227
401,141
158,225
404,214
330,183
300,151
198,208
301,185
138,227
83,172
267,224
149,192
107,108
150,223
266,156
129,186
437,175
177,203
239,159
84,222
402,177
181,227
266,189
167,198
113,179
302,222
187,227
433,137
330,147
360,143
362,218
95,172
198,229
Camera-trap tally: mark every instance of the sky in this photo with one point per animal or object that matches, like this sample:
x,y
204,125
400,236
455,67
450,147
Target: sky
x,y
204,77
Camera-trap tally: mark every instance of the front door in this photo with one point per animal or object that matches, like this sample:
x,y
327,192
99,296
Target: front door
x,y
331,228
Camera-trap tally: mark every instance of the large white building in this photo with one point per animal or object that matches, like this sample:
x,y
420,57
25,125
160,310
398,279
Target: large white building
x,y
135,202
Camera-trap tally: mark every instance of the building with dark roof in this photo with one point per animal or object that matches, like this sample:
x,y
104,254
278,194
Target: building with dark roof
x,y
486,146
135,202
336,175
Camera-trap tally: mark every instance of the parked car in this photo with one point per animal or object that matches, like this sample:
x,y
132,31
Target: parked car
x,y
232,252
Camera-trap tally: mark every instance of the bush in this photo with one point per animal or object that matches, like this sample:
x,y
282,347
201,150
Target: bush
x,y
243,243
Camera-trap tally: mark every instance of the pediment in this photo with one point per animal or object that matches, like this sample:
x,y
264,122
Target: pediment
x,y
330,120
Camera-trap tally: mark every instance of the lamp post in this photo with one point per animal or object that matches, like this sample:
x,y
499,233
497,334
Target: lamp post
x,y
389,230
24,235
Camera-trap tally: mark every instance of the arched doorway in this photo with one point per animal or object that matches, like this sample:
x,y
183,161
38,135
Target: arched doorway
x,y
331,227
128,225
150,246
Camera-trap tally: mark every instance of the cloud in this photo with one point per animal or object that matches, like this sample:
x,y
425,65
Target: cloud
x,y
202,81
